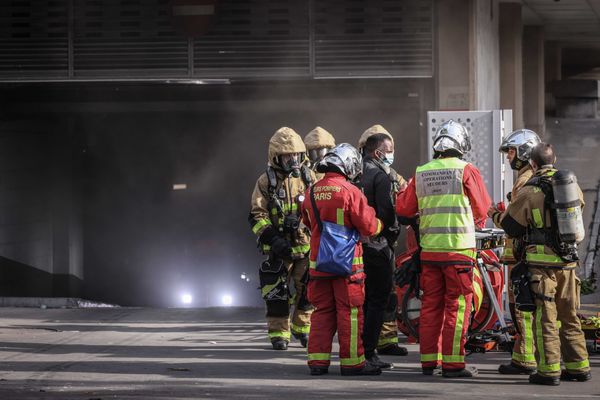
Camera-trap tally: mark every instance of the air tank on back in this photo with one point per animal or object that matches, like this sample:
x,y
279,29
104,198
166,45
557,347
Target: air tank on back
x,y
568,207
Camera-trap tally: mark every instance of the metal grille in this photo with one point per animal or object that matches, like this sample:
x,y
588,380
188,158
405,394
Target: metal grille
x,y
255,38
126,39
374,38
33,38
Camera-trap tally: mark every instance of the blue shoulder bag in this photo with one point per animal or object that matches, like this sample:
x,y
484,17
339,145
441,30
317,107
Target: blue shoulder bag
x,y
337,245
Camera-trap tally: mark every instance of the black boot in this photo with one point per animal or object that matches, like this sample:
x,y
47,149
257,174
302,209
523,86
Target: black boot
x,y
303,338
432,370
279,344
367,369
318,370
516,369
377,362
467,372
544,380
392,350
575,376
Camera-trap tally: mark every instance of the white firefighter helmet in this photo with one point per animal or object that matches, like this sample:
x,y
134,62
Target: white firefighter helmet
x,y
523,141
346,158
452,135
318,142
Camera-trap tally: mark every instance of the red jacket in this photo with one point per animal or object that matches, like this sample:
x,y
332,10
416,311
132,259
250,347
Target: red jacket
x,y
334,192
407,206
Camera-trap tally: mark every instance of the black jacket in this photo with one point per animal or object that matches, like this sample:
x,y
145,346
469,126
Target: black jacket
x,y
377,187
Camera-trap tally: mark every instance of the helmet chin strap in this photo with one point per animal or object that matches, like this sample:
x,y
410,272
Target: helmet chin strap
x,y
517,164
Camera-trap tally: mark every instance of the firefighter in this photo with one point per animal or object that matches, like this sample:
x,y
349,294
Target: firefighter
x,y
518,146
550,256
450,197
318,142
387,343
338,299
275,220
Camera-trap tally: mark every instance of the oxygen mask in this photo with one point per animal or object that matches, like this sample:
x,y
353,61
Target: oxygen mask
x,y
290,163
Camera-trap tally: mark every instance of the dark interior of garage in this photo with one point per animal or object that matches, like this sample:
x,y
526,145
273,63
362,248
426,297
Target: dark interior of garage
x,y
90,174
132,132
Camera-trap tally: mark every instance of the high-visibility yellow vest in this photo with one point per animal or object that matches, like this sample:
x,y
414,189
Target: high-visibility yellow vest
x,y
446,219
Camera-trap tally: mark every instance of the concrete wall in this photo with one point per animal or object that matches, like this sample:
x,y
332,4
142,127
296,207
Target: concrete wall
x,y
25,219
581,62
35,205
67,204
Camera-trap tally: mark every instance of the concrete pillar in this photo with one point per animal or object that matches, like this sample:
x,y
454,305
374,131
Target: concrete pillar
x,y
467,55
533,79
511,65
552,72
453,84
67,234
485,55
552,61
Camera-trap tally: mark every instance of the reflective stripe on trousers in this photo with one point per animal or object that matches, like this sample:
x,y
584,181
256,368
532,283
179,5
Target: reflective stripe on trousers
x,y
445,311
336,311
553,342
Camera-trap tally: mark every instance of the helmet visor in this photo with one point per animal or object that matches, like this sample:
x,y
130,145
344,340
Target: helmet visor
x,y
290,161
316,155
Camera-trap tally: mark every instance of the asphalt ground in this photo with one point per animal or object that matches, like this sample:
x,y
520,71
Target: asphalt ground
x,y
128,353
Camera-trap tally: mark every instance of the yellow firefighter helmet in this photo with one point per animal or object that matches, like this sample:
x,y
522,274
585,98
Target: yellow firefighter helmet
x,y
374,130
285,141
318,142
319,138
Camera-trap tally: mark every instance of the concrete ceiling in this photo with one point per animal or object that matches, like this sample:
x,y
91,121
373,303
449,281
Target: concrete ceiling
x,y
572,22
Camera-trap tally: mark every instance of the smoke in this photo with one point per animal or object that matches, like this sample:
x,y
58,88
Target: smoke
x,y
145,243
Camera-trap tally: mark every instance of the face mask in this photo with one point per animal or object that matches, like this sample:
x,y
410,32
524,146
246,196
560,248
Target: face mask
x,y
385,158
517,164
291,165
296,171
388,159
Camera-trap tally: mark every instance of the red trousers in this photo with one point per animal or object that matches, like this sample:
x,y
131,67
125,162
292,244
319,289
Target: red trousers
x,y
445,314
338,307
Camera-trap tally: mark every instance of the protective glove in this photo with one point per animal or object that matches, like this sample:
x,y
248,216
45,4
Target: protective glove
x,y
501,206
281,247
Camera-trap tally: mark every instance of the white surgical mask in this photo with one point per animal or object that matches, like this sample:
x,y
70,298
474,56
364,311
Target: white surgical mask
x,y
389,159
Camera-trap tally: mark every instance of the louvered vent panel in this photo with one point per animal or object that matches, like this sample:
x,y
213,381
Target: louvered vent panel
x,y
132,39
255,38
33,38
127,38
374,38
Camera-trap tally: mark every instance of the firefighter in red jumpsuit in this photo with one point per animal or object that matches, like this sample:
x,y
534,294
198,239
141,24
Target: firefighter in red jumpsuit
x,y
338,300
451,200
